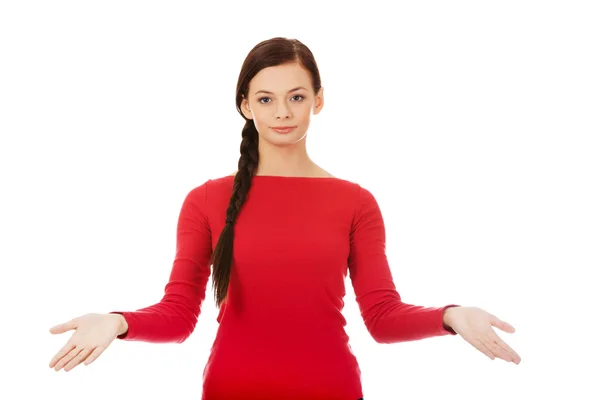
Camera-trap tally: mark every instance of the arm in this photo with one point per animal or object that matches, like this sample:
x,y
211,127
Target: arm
x,y
174,318
387,318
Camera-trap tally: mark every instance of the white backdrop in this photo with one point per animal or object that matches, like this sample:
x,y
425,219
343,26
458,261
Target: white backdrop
x,y
475,124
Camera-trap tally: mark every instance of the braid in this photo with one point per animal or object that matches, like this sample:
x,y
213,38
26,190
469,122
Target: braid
x,y
268,53
222,256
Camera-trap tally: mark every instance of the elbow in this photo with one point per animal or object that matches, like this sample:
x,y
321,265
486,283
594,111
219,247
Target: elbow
x,y
377,334
187,328
182,319
378,338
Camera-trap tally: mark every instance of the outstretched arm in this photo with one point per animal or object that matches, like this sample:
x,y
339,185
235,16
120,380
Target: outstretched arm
x,y
175,316
387,318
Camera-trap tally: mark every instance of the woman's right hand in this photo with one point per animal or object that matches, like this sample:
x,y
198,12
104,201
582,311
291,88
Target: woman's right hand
x,y
93,334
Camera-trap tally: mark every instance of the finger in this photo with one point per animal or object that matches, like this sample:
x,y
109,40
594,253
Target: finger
x,y
63,361
78,359
62,352
497,350
503,325
61,328
515,357
479,345
95,354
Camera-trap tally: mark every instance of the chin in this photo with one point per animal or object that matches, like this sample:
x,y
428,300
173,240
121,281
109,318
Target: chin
x,y
283,139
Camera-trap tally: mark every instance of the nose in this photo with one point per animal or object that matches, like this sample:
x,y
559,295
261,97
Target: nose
x,y
282,111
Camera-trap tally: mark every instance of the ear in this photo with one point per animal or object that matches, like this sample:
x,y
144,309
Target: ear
x,y
245,107
319,101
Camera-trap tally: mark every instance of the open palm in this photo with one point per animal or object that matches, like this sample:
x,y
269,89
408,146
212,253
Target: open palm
x,y
93,334
476,326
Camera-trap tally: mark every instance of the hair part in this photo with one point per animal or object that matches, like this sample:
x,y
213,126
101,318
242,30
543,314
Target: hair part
x,y
268,53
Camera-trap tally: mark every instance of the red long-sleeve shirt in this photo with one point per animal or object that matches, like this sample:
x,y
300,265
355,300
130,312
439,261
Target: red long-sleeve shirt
x,y
281,330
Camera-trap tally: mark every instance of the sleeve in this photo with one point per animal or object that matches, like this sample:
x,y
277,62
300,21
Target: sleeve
x,y
387,318
174,318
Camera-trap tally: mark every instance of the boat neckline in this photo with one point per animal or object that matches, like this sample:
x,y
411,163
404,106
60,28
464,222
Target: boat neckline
x,y
292,177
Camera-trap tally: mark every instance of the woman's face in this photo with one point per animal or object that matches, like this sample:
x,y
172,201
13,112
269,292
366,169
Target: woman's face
x,y
275,99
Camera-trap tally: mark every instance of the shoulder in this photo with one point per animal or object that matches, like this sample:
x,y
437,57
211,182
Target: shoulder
x,y
198,193
365,200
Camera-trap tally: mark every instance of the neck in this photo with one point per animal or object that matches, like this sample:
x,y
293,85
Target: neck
x,y
284,160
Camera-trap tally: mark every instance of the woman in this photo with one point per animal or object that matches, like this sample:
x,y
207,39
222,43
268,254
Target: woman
x,y
280,285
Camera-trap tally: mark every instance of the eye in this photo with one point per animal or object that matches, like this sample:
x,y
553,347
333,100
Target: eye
x,y
263,98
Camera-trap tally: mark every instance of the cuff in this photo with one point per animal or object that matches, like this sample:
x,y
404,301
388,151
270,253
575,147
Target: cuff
x,y
127,334
446,328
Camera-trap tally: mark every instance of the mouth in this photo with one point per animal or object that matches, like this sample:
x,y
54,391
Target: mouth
x,y
283,129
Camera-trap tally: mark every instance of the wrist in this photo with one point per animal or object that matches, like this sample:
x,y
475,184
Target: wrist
x,y
447,317
123,327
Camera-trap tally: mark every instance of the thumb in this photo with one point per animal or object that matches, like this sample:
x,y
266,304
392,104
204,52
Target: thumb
x,y
61,328
505,326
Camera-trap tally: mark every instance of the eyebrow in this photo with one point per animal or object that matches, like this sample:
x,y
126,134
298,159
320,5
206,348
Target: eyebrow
x,y
291,90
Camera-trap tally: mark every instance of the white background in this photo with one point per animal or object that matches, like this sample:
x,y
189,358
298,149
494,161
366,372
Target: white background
x,y
475,124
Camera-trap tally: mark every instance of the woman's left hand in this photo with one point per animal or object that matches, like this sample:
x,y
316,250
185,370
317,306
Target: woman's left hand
x,y
475,326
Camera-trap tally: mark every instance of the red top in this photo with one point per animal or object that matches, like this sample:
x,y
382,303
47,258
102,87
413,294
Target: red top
x,y
281,330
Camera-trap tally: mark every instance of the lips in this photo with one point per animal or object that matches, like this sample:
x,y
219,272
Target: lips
x,y
284,130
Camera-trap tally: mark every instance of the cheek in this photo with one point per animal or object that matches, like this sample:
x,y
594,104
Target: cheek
x,y
304,114
300,110
261,120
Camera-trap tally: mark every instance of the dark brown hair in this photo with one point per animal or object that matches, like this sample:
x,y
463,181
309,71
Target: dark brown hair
x,y
268,53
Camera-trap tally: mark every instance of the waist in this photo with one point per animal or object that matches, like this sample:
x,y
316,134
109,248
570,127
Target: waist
x,y
276,364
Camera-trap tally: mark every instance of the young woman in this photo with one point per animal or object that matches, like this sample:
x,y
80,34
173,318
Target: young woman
x,y
279,285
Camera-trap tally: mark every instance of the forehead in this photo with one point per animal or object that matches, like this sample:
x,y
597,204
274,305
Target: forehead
x,y
280,78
